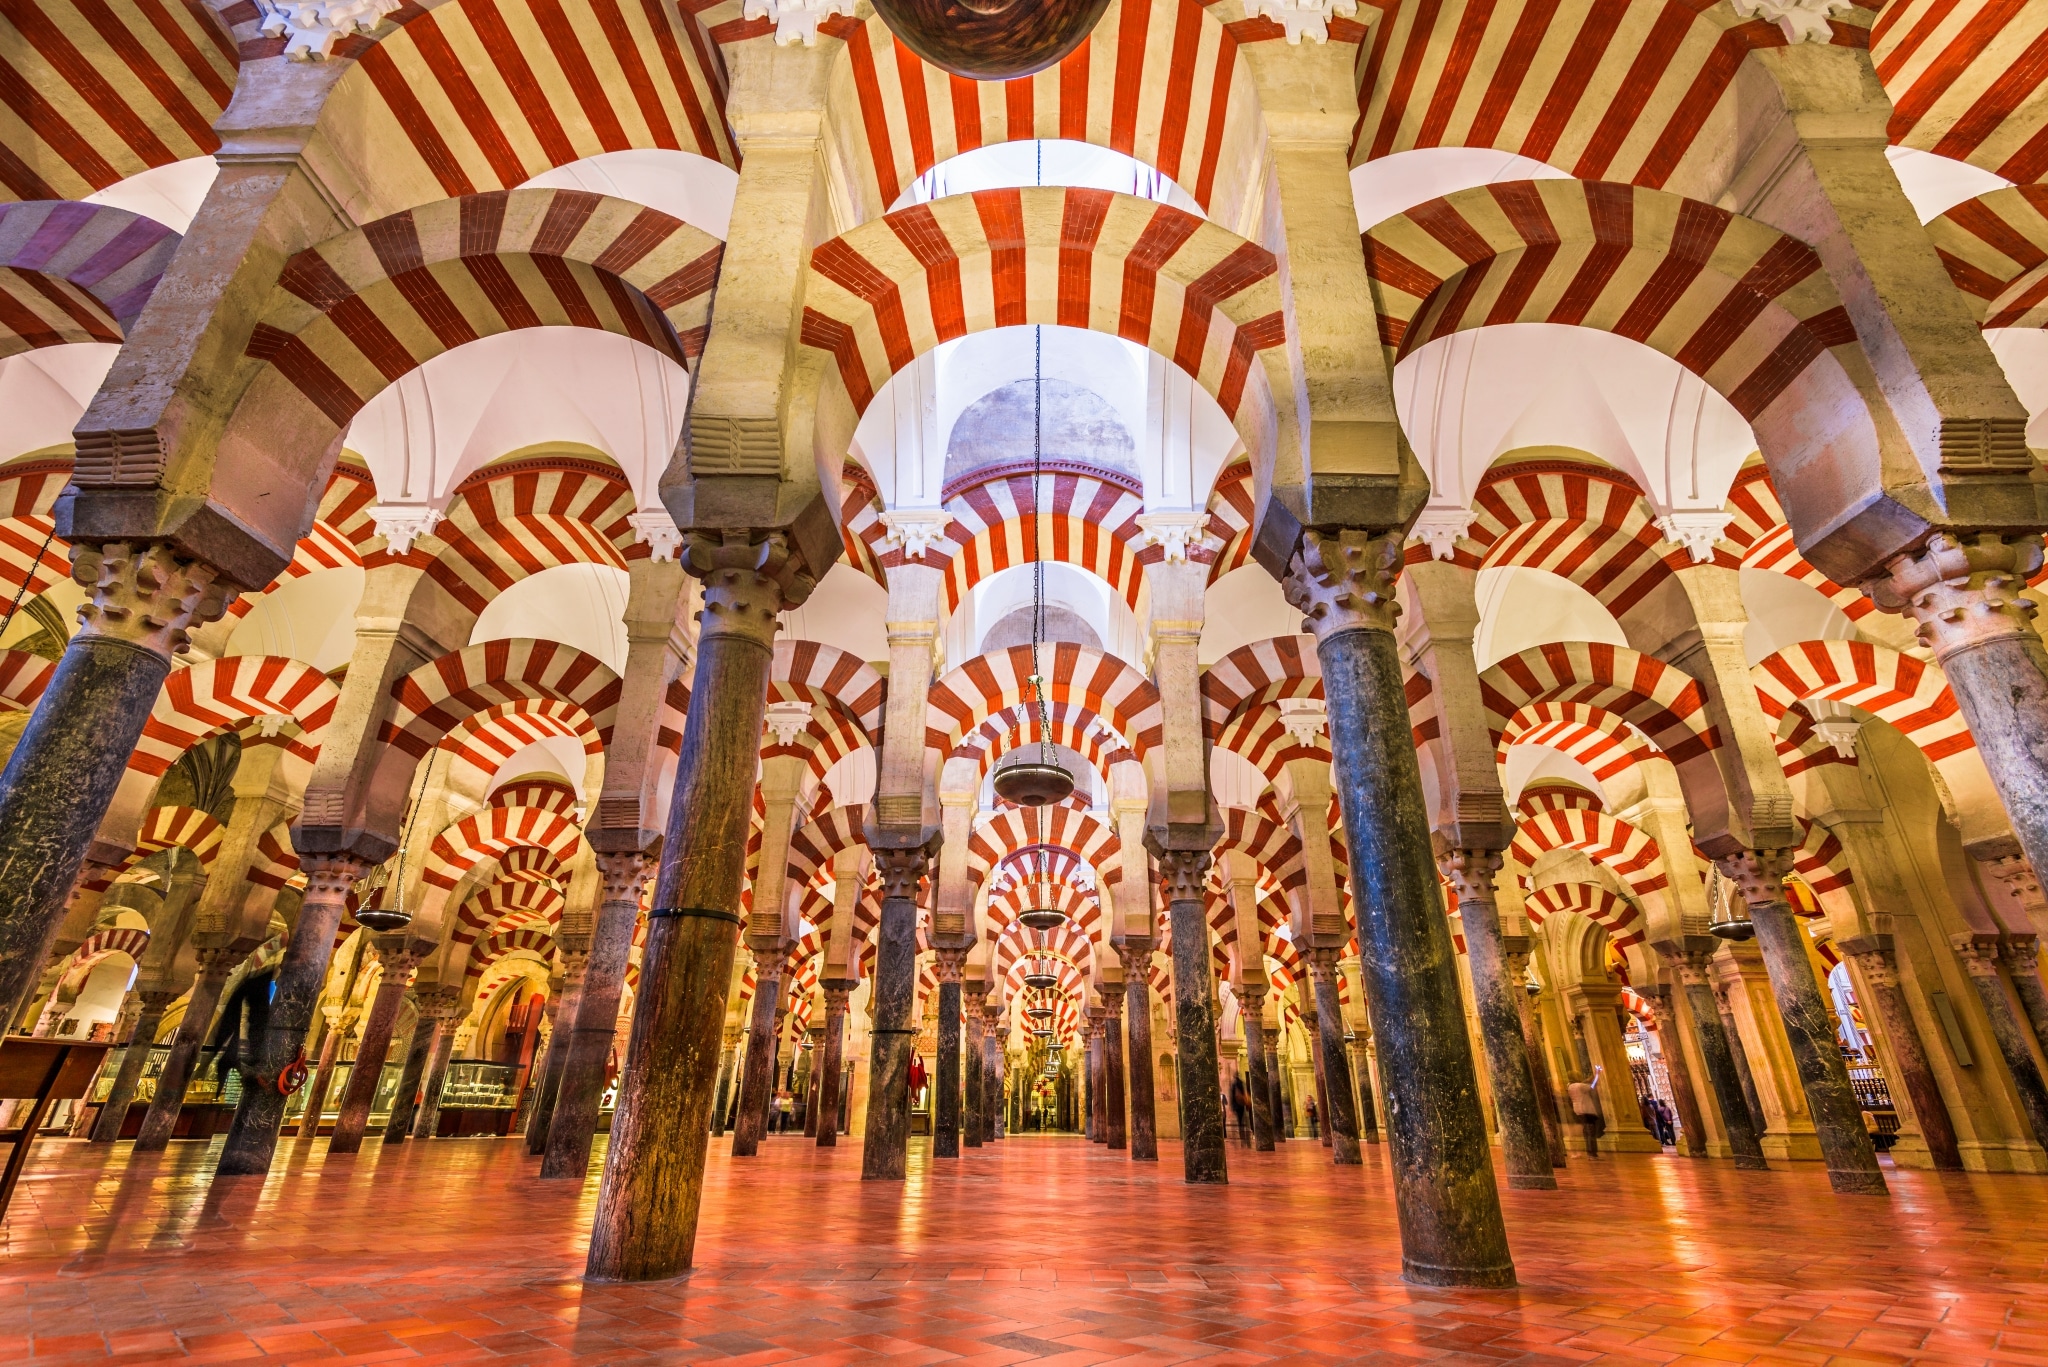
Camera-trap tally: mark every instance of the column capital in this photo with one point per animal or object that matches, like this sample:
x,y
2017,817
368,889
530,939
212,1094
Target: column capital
x,y
1182,872
1877,967
1136,957
1979,953
2023,952
1691,969
1759,875
157,1000
901,863
1471,872
750,579
1322,962
145,594
436,1001
1112,998
1343,580
624,873
952,962
330,874
1962,589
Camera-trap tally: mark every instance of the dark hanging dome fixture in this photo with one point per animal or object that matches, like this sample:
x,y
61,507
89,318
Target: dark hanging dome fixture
x,y
991,40
1039,1013
1040,974
1042,918
1044,913
396,917
1042,781
1729,923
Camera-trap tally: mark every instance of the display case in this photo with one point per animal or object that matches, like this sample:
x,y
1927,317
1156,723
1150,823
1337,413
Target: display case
x,y
477,1098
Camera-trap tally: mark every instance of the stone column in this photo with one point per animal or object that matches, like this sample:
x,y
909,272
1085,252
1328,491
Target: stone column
x,y
902,864
301,975
440,1006
1682,1093
339,1022
2022,955
1136,956
405,1105
1964,591
107,1127
1718,1042
757,1076
1979,954
1117,1135
1809,1022
1738,1052
399,958
61,776
572,952
1204,1145
1340,1113
952,960
1361,1078
973,1001
1875,962
1276,1102
587,1042
1516,949
1093,1126
837,990
995,1120
646,1223
1451,1228
1258,1083
215,964
1494,989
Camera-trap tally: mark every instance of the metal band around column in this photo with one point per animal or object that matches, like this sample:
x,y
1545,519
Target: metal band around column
x,y
703,913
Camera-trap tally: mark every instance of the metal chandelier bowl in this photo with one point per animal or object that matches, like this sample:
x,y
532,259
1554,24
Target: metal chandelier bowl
x,y
1039,977
384,918
991,40
1042,918
1033,784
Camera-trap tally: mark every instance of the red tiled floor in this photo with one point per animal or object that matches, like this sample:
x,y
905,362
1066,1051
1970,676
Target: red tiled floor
x,y
1050,1251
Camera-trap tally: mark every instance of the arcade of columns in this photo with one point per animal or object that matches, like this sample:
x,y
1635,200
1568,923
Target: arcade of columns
x,y
326,718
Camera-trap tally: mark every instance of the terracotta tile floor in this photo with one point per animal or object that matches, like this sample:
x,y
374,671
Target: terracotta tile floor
x,y
1046,1250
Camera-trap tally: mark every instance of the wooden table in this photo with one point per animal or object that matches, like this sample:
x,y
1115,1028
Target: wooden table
x,y
48,1070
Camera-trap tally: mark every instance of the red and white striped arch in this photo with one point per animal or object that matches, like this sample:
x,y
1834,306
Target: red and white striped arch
x,y
1070,724
1996,249
1966,82
1592,527
340,535
1606,840
1603,91
883,294
275,864
480,95
1664,703
1064,944
1593,736
1620,918
28,489
992,683
497,831
440,695
1013,830
548,794
1552,796
100,90
167,828
222,695
1084,910
351,315
1746,308
74,272
539,944
129,940
1267,843
479,745
1259,733
1158,80
812,848
1248,671
23,677
1087,521
1821,861
1226,542
1759,528
511,904
819,673
517,519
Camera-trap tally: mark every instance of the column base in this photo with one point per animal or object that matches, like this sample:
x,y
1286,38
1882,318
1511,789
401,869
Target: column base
x,y
1531,1182
1423,1274
1795,1146
1857,1182
1745,1163
2002,1155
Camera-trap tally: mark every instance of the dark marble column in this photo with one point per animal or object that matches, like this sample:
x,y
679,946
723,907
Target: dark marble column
x,y
757,1076
1277,1099
106,1127
338,1025
1874,960
946,1068
61,776
1694,1142
1251,999
1116,1134
1539,1058
443,1011
215,964
995,1119
1137,961
1312,1023
1810,1026
1713,1032
1096,1128
572,954
1979,954
405,1106
1964,591
728,1060
2022,955
902,860
399,957
1204,1145
973,1001
587,1040
1341,1114
1523,1143
837,990
1738,1052
301,975
646,1222
1451,1228
1361,1074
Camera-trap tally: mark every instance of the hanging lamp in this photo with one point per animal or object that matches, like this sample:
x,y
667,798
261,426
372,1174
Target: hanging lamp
x,y
991,40
1044,913
1040,975
1728,923
1043,781
396,917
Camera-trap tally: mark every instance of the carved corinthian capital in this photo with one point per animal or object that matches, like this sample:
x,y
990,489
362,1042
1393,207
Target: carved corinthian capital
x,y
146,595
1962,591
1344,581
750,578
